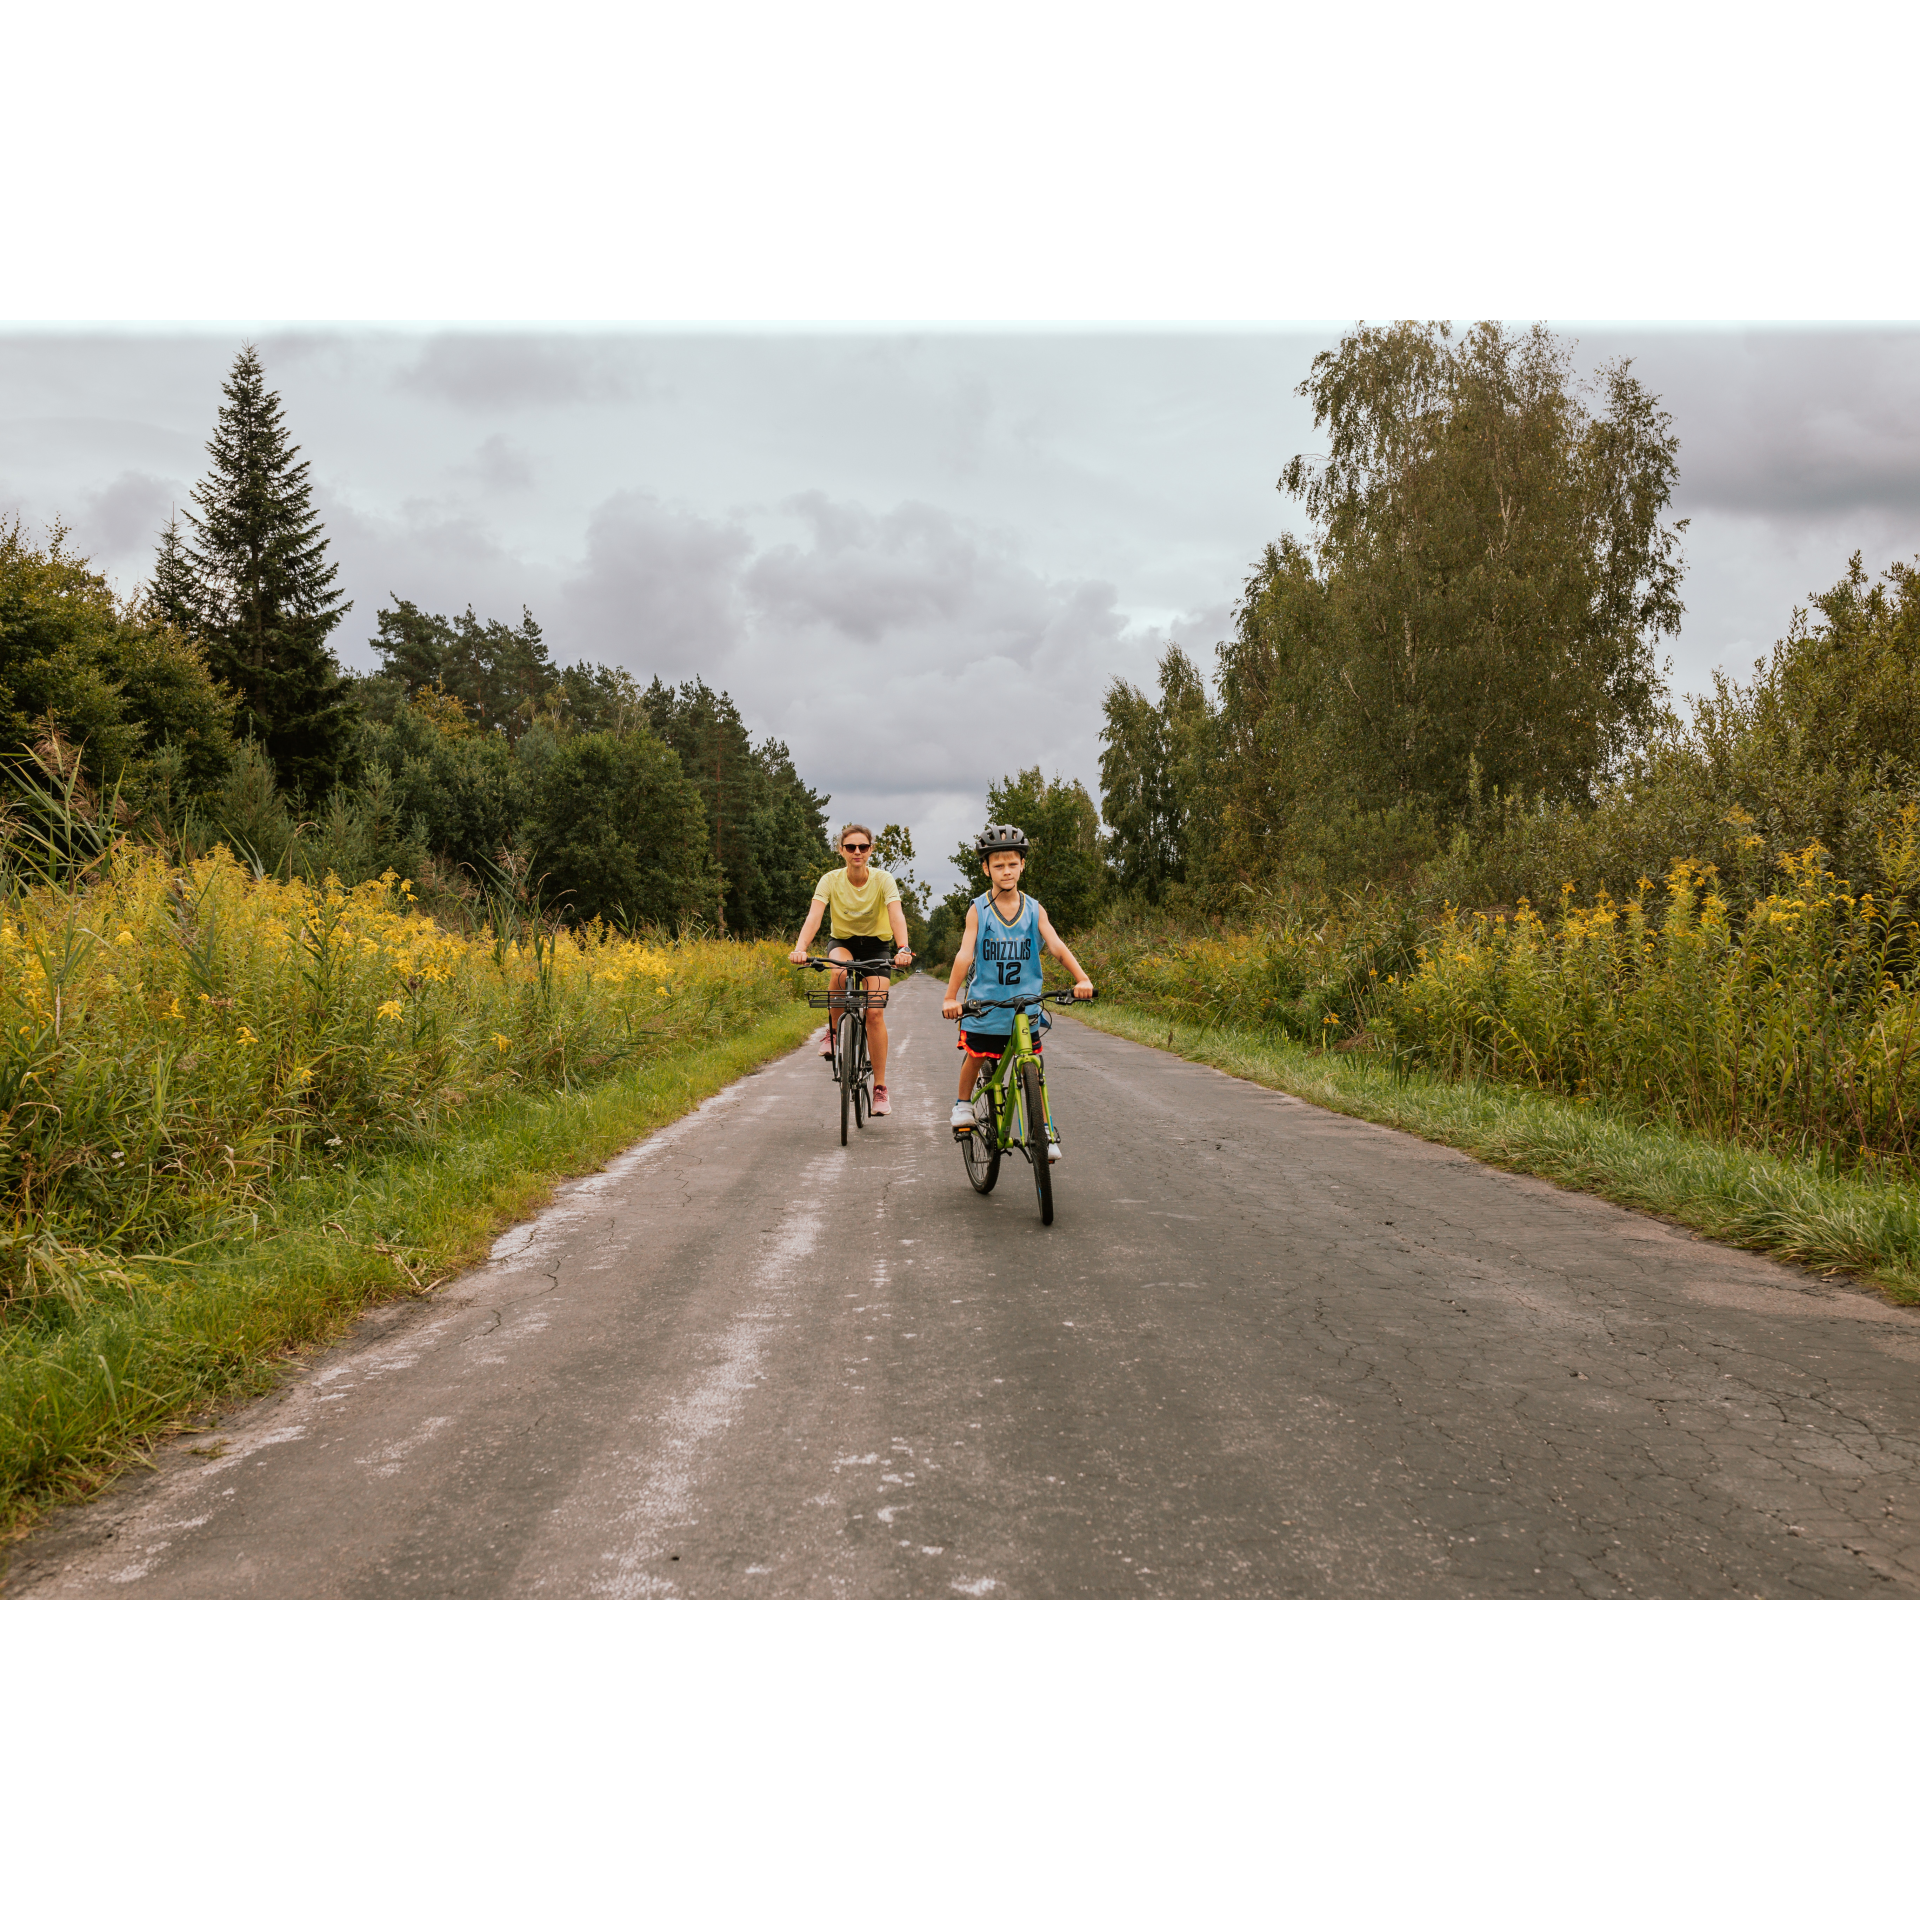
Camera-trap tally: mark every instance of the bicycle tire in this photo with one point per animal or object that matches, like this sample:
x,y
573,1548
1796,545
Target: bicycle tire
x,y
1034,1099
846,1073
980,1150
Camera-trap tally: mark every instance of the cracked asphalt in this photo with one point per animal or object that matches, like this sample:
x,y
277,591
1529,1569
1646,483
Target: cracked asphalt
x,y
1264,1350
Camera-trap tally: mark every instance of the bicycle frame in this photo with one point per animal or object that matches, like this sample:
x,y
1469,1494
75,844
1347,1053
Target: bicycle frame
x,y
1001,1087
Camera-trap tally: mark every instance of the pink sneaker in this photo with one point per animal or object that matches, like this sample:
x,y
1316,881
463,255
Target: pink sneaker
x,y
882,1106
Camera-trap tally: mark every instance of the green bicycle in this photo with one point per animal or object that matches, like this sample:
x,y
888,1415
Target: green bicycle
x,y
1010,1113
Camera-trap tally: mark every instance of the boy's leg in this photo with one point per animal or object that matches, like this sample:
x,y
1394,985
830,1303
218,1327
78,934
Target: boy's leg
x,y
970,1066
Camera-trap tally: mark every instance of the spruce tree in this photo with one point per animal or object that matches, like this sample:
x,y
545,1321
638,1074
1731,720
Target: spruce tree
x,y
265,594
174,595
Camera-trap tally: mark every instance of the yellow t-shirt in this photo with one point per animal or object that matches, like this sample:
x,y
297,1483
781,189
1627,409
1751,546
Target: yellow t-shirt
x,y
865,912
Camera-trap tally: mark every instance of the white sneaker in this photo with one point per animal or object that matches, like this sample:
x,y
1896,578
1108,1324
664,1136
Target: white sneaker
x,y
962,1116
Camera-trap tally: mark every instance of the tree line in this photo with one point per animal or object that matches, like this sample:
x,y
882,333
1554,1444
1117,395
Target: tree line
x,y
1452,688
212,703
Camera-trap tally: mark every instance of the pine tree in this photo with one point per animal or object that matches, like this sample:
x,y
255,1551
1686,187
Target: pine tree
x,y
174,594
266,598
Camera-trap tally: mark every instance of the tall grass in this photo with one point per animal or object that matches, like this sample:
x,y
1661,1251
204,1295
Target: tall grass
x,y
177,1037
1793,1025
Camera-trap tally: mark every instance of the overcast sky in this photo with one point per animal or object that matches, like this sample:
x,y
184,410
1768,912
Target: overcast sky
x,y
918,560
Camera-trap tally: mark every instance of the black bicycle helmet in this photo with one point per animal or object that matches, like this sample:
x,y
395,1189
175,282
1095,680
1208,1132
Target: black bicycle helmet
x,y
1000,840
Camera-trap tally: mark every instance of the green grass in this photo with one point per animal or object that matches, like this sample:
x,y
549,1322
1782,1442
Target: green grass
x,y
1863,1225
81,1400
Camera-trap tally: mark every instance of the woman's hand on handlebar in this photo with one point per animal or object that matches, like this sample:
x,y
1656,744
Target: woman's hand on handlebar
x,y
903,957
798,956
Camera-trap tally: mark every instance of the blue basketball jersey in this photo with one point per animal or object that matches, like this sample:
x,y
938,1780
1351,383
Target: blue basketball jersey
x,y
1006,964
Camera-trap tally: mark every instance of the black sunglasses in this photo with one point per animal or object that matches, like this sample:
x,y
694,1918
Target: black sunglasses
x,y
856,846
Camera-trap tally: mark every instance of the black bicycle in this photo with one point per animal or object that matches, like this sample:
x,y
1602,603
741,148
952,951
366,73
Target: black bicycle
x,y
852,1067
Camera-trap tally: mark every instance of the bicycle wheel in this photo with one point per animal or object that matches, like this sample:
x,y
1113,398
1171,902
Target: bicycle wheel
x,y
980,1148
1035,1102
846,1072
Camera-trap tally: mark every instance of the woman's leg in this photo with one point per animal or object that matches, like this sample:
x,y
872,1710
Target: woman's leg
x,y
877,1045
836,983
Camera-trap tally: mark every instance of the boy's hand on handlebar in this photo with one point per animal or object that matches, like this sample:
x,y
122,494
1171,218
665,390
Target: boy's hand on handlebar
x,y
950,1008
1083,989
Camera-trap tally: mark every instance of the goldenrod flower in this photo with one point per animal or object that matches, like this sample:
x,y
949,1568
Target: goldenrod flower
x,y
391,1010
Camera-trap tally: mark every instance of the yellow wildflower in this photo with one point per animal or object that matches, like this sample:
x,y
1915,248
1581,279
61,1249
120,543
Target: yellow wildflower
x,y
390,1010
248,1038
501,1041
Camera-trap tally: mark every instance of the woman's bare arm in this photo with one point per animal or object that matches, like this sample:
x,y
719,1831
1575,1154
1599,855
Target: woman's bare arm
x,y
815,914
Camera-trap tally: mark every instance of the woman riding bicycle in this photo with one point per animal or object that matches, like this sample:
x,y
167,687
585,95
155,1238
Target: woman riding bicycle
x,y
865,902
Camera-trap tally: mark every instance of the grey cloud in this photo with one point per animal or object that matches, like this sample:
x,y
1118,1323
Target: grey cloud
x,y
1787,425
502,467
489,372
921,576
94,442
125,517
440,556
660,588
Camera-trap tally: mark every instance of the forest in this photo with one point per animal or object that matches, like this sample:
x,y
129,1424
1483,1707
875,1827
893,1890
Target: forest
x,y
466,762
1433,803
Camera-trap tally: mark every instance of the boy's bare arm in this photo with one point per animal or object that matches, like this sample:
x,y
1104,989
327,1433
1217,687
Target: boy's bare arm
x,y
969,939
1061,952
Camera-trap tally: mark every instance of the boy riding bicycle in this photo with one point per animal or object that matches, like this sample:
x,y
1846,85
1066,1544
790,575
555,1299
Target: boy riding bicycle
x,y
865,903
1001,944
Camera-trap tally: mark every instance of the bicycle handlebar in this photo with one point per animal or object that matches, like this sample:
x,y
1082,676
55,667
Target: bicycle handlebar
x,y
847,966
1065,999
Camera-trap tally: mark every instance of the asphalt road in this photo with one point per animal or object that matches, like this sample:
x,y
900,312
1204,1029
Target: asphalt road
x,y
1264,1350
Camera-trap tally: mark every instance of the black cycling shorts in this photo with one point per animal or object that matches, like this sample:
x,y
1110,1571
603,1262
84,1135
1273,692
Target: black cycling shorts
x,y
863,946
